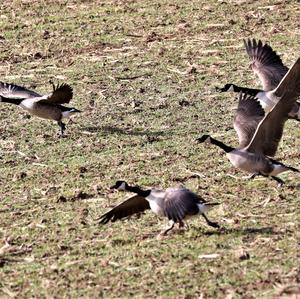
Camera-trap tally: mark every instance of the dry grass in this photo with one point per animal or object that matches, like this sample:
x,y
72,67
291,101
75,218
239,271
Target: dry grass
x,y
144,74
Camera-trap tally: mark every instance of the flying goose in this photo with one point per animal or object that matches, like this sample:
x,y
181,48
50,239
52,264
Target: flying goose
x,y
258,141
176,204
268,66
44,106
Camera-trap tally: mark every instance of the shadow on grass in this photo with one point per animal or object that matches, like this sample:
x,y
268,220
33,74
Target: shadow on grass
x,y
243,231
119,131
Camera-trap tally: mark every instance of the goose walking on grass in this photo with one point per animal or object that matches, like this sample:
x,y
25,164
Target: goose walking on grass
x,y
268,66
44,106
176,204
259,139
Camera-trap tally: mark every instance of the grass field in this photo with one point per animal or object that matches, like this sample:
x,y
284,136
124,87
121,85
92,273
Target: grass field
x,y
144,74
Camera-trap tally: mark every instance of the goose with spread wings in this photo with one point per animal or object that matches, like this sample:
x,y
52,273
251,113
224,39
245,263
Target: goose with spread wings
x,y
176,204
268,66
259,138
47,106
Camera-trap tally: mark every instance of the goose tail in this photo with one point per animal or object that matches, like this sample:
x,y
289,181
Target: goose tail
x,y
74,110
69,112
204,207
280,167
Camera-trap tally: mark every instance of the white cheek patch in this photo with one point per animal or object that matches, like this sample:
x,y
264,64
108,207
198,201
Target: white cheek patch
x,y
230,88
208,140
122,186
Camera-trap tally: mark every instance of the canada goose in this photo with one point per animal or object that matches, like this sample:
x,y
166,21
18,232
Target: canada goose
x,y
174,203
44,106
259,141
268,66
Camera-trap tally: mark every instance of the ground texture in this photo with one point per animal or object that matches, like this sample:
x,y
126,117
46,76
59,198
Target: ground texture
x,y
144,74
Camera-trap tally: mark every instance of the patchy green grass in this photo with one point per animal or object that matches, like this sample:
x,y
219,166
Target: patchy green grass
x,y
144,73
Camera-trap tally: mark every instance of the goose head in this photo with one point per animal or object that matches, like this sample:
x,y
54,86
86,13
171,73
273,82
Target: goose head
x,y
228,87
120,185
203,138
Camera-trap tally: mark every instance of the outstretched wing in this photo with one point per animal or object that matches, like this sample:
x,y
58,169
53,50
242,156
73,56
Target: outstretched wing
x,y
62,94
180,203
270,129
14,91
266,63
131,206
248,115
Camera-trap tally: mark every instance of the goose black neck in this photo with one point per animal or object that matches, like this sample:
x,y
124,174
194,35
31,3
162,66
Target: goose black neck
x,y
249,91
11,100
138,191
220,144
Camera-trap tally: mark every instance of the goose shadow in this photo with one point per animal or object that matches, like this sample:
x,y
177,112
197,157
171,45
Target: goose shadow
x,y
268,230
222,231
120,131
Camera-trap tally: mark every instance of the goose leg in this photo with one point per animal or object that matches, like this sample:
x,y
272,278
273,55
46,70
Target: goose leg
x,y
168,228
183,225
252,176
278,180
62,128
275,178
210,223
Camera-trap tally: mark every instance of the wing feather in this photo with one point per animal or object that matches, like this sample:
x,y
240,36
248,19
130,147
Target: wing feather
x,y
269,131
180,203
62,94
248,115
131,206
14,91
266,63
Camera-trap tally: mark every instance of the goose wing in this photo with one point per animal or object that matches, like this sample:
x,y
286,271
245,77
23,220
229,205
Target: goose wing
x,y
266,63
15,91
270,129
248,115
133,205
180,202
62,94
